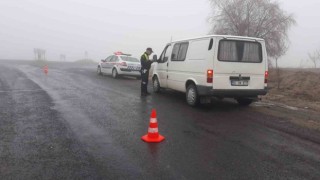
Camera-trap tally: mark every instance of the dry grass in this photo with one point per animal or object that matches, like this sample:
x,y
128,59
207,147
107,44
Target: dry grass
x,y
298,87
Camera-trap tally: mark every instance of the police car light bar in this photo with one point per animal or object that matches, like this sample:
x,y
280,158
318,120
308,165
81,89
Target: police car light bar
x,y
121,53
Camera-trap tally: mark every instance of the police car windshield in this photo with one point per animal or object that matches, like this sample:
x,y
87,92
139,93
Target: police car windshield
x,y
129,59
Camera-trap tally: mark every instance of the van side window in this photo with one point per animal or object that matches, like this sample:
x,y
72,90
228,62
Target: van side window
x,y
175,52
179,51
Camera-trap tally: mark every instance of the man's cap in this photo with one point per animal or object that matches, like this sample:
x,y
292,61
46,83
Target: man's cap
x,y
149,49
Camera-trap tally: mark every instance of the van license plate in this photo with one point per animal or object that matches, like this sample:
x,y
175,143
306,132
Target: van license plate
x,y
240,83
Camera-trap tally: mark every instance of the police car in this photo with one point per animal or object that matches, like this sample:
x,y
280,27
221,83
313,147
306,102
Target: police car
x,y
120,64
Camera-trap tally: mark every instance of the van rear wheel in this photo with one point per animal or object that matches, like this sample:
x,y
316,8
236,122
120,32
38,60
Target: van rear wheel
x,y
192,96
244,101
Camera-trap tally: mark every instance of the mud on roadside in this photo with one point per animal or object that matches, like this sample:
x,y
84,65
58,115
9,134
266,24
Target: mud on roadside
x,y
297,98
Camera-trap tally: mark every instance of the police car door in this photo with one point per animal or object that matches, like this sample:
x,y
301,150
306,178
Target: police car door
x,y
111,64
162,66
104,65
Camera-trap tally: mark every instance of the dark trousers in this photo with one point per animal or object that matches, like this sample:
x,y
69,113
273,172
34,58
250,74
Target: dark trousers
x,y
144,80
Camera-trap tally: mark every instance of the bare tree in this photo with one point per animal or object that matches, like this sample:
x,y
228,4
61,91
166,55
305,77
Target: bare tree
x,y
281,51
314,57
255,18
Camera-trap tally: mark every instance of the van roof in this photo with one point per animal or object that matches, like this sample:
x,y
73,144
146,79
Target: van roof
x,y
223,36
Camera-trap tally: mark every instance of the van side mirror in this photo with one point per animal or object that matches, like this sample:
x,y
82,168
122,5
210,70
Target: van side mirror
x,y
102,60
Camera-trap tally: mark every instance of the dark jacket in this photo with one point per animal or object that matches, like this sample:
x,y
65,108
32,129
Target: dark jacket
x,y
145,63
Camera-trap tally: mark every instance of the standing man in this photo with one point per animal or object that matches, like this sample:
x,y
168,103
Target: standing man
x,y
145,67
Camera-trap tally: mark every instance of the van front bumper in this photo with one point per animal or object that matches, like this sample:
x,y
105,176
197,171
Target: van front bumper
x,y
208,91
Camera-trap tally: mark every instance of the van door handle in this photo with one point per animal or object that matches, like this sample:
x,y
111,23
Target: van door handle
x,y
167,64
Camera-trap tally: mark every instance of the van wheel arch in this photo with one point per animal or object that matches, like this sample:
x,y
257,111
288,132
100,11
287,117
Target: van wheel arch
x,y
189,82
154,76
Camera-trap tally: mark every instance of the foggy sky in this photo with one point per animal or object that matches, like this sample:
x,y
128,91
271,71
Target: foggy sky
x,y
102,27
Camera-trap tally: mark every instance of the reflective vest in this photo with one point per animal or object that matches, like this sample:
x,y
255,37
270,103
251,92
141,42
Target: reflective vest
x,y
146,56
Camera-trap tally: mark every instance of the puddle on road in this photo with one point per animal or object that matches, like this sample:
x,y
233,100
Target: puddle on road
x,y
22,90
98,142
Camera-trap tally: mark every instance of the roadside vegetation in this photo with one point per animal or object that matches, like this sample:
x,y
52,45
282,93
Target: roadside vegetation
x,y
298,87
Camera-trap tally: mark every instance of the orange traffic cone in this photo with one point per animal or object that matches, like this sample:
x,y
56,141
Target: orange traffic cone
x,y
153,131
45,69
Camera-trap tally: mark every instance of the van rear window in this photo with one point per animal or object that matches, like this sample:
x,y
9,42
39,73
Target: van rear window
x,y
240,51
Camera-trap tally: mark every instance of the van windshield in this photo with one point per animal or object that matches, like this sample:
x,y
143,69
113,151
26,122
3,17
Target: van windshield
x,y
240,51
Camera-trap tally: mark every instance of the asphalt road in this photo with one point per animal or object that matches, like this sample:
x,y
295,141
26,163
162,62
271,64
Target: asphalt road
x,y
74,124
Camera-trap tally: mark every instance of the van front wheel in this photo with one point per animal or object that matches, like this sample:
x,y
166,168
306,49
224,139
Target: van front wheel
x,y
192,96
156,85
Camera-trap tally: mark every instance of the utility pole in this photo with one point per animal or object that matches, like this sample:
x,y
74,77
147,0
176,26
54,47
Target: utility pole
x,y
86,55
39,54
62,57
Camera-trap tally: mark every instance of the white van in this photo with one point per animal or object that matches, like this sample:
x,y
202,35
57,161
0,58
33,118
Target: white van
x,y
214,66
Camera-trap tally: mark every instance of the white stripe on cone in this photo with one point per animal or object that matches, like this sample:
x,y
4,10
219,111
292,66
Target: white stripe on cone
x,y
153,120
153,130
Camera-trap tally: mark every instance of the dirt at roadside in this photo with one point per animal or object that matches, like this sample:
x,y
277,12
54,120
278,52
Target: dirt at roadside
x,y
298,87
297,99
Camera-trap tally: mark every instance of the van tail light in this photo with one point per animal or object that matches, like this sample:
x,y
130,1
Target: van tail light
x,y
209,76
123,64
266,75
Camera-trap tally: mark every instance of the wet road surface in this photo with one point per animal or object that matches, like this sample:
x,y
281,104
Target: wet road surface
x,y
74,124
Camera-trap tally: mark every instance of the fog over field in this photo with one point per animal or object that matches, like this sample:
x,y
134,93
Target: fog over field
x,y
100,27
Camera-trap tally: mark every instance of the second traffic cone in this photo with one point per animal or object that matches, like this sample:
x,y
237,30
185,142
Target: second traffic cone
x,y
45,69
153,131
